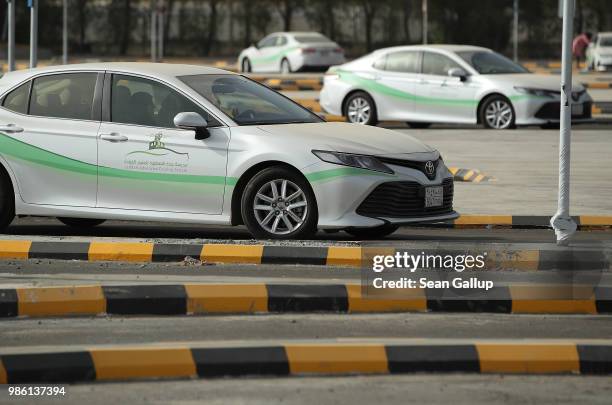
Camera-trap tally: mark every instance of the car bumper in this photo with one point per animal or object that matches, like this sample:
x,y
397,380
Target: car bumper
x,y
348,197
538,111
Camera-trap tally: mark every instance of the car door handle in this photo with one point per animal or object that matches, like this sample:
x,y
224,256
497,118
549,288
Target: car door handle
x,y
114,137
10,128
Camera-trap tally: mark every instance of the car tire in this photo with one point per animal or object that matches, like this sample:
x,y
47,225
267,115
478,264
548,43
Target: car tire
x,y
266,212
245,66
497,112
81,222
7,202
373,233
285,67
360,108
419,125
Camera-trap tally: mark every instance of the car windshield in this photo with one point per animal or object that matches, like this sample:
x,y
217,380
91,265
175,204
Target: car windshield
x,y
605,41
491,63
312,38
248,102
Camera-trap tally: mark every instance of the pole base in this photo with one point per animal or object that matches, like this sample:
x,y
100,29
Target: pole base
x,y
564,227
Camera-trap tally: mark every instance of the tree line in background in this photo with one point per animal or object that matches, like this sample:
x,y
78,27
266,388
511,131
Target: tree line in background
x,y
222,27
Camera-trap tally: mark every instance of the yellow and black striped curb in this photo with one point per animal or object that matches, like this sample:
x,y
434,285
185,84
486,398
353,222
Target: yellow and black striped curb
x,y
307,358
282,84
197,299
602,107
597,85
498,256
469,175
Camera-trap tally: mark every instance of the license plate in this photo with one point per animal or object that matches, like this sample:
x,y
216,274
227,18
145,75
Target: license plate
x,y
434,196
577,109
324,53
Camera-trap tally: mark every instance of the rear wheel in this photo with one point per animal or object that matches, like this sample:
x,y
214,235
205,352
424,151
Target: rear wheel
x,y
7,202
419,125
245,66
373,233
285,67
360,109
81,222
496,112
278,203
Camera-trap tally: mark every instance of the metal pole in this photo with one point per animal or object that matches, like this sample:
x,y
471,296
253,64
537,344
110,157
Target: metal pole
x,y
516,29
33,33
11,35
65,33
160,34
425,17
562,223
153,32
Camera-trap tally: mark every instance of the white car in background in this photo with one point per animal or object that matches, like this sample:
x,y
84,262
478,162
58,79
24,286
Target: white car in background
x,y
599,52
459,84
286,52
180,143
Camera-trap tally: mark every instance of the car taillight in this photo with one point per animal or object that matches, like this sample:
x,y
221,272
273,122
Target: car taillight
x,y
339,50
309,50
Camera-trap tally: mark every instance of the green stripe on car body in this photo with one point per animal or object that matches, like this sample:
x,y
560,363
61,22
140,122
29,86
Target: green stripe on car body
x,y
374,86
29,153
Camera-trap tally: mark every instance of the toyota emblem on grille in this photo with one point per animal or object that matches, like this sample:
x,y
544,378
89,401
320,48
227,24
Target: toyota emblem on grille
x,y
430,168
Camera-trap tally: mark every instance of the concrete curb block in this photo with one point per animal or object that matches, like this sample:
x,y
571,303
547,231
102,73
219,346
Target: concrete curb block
x,y
307,358
202,299
469,175
498,256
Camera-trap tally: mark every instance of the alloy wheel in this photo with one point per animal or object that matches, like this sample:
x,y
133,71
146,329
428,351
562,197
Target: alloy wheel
x,y
280,207
499,114
359,110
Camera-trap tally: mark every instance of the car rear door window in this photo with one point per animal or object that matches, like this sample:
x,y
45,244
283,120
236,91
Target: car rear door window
x,y
139,101
437,64
67,95
404,62
17,100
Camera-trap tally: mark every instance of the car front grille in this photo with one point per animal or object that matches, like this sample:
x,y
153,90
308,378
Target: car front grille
x,y
412,164
552,111
404,199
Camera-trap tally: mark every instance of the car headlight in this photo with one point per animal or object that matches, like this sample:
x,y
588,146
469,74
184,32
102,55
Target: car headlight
x,y
353,160
538,92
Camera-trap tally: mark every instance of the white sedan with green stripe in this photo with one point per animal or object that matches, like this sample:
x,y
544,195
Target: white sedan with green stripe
x,y
457,84
286,52
179,143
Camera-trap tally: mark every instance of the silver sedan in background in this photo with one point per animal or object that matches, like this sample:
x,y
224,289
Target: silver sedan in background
x,y
286,52
458,84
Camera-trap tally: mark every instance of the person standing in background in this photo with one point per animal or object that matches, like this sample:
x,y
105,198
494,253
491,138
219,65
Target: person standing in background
x,y
579,47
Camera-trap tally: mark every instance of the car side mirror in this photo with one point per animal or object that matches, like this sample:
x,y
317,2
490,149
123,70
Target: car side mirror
x,y
193,121
458,72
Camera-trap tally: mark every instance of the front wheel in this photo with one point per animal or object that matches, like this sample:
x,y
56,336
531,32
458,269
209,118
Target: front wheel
x,y
245,66
360,109
497,113
81,222
7,202
278,203
373,233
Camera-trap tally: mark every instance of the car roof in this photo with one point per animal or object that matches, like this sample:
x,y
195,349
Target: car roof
x,y
441,47
605,34
167,70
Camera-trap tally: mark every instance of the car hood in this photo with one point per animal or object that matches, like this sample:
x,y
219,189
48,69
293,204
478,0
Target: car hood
x,y
536,81
350,138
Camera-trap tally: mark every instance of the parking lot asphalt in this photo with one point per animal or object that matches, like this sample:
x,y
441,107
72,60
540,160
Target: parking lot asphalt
x,y
419,389
50,229
256,329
